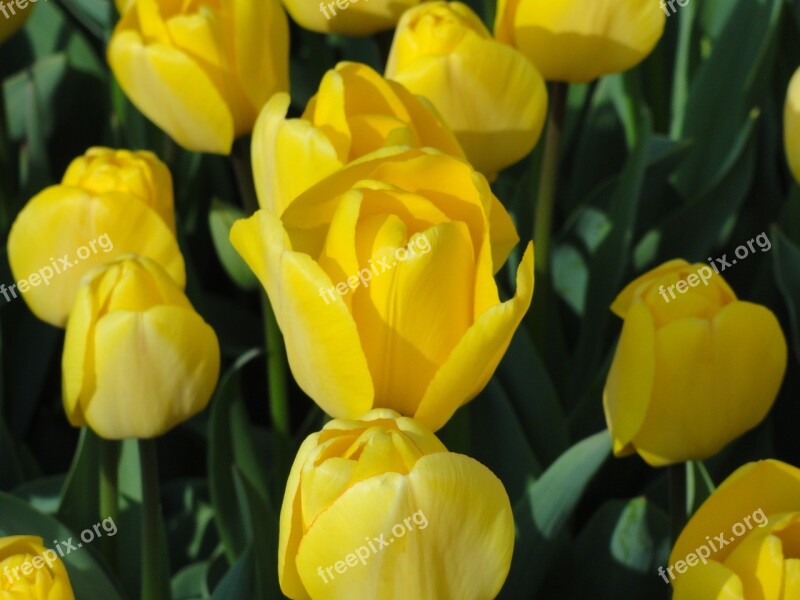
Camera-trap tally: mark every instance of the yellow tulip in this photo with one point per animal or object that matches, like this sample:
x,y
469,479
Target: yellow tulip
x,y
581,40
381,277
378,508
350,17
138,359
492,98
66,231
201,71
123,5
354,112
29,571
140,174
695,367
791,124
748,533
13,17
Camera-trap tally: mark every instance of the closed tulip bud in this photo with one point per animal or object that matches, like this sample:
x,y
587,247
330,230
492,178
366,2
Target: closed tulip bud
x,y
489,94
65,231
694,368
354,112
138,360
29,571
581,40
791,125
140,174
744,538
393,256
13,18
378,508
201,71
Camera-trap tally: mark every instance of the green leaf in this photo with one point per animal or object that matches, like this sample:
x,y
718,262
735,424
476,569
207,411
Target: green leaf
x,y
80,495
239,582
220,220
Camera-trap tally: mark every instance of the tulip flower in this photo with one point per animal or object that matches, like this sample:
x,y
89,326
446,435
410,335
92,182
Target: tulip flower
x,y
791,125
378,508
31,572
747,534
350,17
695,367
65,231
354,112
138,359
490,95
381,278
201,71
580,40
140,174
12,18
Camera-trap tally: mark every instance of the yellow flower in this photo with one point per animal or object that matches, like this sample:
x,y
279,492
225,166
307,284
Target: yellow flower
x,y
791,125
492,98
748,535
354,112
12,17
581,40
65,231
351,17
381,277
694,368
29,571
201,71
123,5
378,508
138,359
140,174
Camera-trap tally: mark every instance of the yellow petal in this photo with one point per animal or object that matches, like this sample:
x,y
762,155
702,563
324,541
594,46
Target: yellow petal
x,y
633,290
473,361
173,92
709,581
758,561
791,578
456,540
629,386
791,125
61,223
321,338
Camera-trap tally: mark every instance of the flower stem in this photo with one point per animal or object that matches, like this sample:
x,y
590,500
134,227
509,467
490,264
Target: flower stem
x,y
155,559
109,494
677,499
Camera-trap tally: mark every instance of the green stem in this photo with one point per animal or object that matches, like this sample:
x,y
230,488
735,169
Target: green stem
x,y
109,495
677,499
155,559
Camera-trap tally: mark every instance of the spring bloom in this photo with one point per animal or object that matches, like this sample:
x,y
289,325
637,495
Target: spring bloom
x,y
691,372
381,277
29,571
350,17
489,94
201,71
580,40
12,18
354,112
752,522
378,508
791,125
138,359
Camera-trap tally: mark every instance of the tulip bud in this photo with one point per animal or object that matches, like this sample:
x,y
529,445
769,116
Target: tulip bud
x,y
580,40
393,256
492,98
201,71
140,174
29,571
378,508
354,112
350,17
694,368
138,359
791,126
744,538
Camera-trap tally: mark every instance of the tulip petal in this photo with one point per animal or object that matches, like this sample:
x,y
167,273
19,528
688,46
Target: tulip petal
x,y
710,581
473,361
61,221
791,578
758,561
321,338
630,380
173,91
791,125
459,546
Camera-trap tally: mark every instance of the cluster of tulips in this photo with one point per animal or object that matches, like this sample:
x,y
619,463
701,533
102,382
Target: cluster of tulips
x,y
373,161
